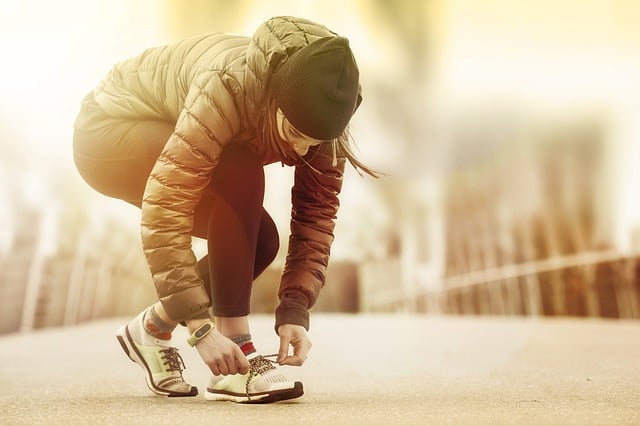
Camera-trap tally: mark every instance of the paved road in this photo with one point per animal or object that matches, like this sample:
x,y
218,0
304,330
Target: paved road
x,y
362,370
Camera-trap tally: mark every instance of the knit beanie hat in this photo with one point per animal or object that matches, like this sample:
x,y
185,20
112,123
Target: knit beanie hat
x,y
317,87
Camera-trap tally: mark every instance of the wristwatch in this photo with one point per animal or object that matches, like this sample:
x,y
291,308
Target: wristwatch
x,y
200,333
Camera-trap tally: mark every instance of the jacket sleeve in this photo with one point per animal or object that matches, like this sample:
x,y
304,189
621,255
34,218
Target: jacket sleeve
x,y
315,204
207,122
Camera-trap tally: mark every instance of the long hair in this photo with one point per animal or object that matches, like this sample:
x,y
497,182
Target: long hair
x,y
342,145
269,127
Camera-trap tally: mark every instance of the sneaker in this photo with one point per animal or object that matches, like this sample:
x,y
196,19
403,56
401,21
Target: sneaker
x,y
264,383
161,363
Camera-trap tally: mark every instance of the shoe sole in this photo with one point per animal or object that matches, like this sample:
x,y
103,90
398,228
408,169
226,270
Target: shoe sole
x,y
257,398
129,347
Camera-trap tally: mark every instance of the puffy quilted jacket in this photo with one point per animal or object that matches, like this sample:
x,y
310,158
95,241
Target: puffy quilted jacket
x,y
213,86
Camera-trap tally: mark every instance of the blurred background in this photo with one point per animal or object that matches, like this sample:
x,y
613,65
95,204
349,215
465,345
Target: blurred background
x,y
508,131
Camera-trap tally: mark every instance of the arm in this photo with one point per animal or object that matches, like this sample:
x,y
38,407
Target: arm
x,y
315,205
204,127
206,124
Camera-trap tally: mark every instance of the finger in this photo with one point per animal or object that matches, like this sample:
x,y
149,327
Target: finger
x,y
242,365
300,353
284,348
237,361
222,366
214,369
232,360
232,368
293,360
242,362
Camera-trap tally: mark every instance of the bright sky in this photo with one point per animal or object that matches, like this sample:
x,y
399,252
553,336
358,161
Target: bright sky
x,y
55,52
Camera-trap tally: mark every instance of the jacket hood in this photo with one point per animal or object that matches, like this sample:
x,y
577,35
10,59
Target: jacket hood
x,y
271,45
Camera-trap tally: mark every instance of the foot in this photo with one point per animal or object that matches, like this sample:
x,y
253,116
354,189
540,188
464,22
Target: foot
x,y
161,363
264,383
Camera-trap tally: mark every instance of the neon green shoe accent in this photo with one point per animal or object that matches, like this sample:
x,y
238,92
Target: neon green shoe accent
x,y
161,363
164,363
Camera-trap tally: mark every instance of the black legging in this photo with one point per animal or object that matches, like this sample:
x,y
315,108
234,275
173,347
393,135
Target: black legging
x,y
242,239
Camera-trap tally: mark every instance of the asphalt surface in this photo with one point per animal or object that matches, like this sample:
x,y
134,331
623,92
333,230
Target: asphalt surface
x,y
373,370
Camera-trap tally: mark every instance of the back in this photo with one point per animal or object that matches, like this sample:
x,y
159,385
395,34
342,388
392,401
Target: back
x,y
155,83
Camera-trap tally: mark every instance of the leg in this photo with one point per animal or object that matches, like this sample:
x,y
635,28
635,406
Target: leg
x,y
116,159
242,242
241,237
266,251
267,245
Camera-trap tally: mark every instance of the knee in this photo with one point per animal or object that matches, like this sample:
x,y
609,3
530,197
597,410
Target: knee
x,y
268,244
265,255
270,249
269,236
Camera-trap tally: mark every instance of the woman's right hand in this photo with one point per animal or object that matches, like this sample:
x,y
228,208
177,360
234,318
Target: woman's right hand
x,y
219,353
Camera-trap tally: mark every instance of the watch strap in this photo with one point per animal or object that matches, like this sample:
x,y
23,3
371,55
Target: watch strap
x,y
201,332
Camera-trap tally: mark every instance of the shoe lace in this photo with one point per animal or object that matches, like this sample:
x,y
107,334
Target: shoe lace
x,y
259,365
173,360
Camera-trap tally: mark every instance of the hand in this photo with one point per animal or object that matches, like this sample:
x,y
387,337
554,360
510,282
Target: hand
x,y
296,336
219,353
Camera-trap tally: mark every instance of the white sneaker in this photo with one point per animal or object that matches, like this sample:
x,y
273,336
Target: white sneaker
x,y
264,383
161,363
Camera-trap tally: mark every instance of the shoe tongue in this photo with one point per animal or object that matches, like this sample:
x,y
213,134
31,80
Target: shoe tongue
x,y
162,339
162,342
150,340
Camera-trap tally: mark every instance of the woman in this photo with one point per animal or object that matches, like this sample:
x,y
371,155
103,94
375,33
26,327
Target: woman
x,y
183,131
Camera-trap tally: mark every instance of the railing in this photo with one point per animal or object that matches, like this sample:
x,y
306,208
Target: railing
x,y
63,278
596,284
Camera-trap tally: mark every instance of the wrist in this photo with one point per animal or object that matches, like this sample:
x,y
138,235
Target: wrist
x,y
201,332
194,323
292,310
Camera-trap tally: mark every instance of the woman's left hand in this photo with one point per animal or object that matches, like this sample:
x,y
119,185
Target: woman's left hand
x,y
296,336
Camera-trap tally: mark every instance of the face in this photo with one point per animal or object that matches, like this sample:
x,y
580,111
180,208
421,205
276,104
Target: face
x,y
300,142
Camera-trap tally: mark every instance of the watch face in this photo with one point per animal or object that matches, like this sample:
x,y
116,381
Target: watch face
x,y
203,330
